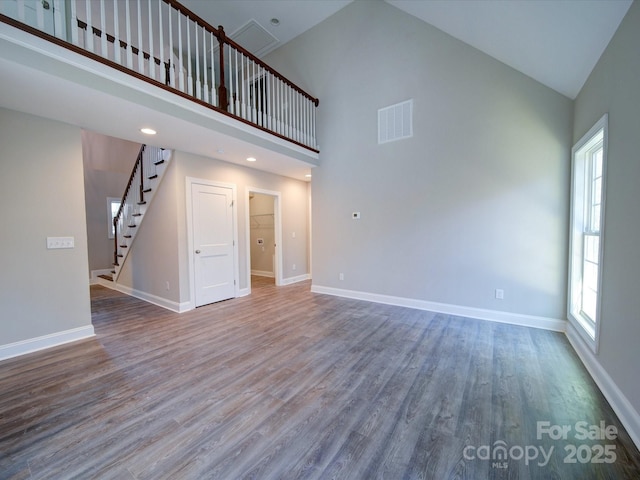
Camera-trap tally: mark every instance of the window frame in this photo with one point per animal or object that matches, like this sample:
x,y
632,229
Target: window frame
x,y
582,222
110,216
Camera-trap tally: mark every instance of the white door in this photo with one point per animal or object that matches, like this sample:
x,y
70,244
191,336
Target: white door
x,y
213,243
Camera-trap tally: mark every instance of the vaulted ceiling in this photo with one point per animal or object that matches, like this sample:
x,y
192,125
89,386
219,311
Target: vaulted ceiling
x,y
556,42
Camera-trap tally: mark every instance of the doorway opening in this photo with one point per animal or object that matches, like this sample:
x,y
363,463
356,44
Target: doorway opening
x,y
264,251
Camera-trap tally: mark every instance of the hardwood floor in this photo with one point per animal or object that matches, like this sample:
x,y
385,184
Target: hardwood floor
x,y
289,384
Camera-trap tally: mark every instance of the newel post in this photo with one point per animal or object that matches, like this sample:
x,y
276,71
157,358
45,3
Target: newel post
x,y
223,101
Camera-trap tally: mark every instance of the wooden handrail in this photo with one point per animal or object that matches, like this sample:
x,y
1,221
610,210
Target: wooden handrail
x,y
222,37
120,212
282,125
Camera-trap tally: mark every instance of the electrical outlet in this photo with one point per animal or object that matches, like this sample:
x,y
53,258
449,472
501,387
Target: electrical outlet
x,y
168,288
293,267
341,276
499,294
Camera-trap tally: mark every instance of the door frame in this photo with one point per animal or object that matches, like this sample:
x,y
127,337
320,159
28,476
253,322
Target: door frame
x,y
277,231
190,181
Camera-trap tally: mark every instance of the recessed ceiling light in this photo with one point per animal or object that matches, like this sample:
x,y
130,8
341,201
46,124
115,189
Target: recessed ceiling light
x,y
220,150
148,131
275,22
308,175
251,159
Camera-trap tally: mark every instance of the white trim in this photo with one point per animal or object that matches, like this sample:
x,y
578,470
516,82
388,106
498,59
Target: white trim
x,y
628,416
243,292
299,278
261,273
154,299
544,323
277,231
189,182
46,341
573,278
94,280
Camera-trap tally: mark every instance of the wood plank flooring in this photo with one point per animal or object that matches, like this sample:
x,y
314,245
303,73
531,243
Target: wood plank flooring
x,y
286,384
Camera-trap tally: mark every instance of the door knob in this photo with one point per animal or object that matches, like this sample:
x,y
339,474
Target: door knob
x,y
197,251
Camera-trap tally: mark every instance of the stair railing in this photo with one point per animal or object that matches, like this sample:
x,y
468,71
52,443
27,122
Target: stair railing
x,y
164,43
130,212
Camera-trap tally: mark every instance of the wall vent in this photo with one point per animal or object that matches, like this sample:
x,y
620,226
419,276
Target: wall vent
x,y
395,122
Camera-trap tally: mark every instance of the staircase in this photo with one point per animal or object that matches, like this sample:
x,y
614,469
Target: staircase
x,y
144,181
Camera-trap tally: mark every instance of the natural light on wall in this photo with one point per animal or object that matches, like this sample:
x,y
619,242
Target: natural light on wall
x,y
587,220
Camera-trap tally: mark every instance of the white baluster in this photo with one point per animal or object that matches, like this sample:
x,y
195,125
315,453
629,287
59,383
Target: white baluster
x,y
103,30
152,60
232,92
198,82
205,87
243,82
172,67
237,102
140,48
214,97
163,71
74,23
190,76
20,6
116,34
58,25
89,42
180,65
40,16
128,29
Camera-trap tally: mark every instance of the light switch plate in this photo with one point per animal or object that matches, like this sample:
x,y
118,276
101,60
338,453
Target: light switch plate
x,y
60,242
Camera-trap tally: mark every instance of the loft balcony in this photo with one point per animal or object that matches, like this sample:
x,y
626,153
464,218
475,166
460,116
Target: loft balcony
x,y
116,66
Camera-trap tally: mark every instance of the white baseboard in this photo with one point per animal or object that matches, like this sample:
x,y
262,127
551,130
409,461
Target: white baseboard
x,y
148,297
46,341
628,415
243,292
299,278
262,273
544,323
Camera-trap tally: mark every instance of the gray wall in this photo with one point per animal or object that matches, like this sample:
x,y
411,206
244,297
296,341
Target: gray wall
x,y
108,163
476,200
41,194
613,88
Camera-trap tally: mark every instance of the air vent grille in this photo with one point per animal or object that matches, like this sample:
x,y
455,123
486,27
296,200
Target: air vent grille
x,y
395,122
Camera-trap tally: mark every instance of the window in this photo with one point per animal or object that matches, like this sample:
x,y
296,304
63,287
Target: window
x,y
113,205
587,218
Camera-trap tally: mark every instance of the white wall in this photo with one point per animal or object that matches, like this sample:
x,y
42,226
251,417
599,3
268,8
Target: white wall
x,y
476,200
42,292
613,88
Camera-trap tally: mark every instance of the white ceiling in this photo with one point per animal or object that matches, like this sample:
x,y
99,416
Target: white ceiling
x,y
556,42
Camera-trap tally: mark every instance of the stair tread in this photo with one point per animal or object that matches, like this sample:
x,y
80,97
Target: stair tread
x,y
159,162
146,190
136,215
152,177
127,236
142,203
133,226
124,246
